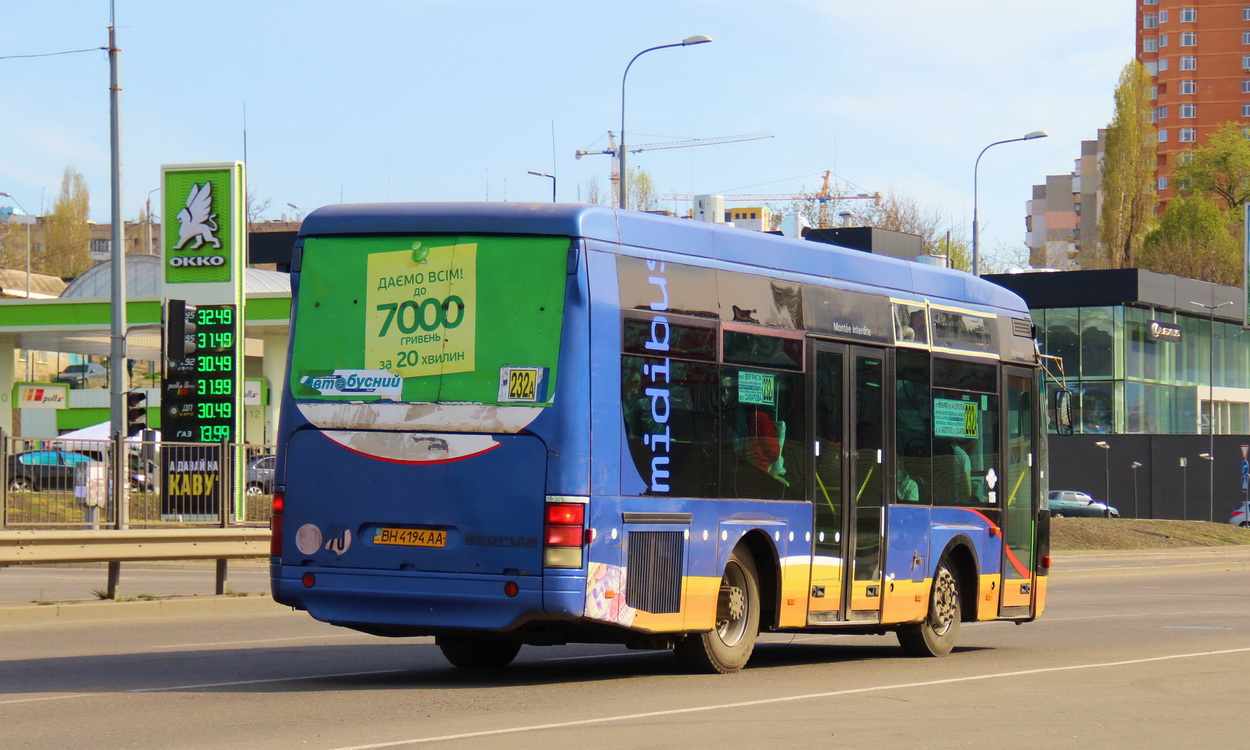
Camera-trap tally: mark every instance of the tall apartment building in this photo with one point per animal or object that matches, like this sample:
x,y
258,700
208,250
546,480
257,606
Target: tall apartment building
x,y
1199,53
1062,217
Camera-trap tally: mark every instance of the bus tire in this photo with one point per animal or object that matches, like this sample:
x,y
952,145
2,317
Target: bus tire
x,y
936,635
470,652
727,647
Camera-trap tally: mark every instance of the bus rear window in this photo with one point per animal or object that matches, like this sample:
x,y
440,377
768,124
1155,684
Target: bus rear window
x,y
467,319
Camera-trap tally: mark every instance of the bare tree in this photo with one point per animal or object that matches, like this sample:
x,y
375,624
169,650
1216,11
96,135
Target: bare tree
x,y
1128,170
594,192
256,208
68,235
900,212
1005,257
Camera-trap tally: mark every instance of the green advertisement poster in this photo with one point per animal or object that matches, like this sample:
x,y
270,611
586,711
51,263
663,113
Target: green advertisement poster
x,y
429,319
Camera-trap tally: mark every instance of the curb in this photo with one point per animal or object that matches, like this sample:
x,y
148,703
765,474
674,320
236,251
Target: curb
x,y
96,611
1104,563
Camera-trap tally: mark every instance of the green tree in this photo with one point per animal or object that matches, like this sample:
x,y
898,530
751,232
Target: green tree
x,y
68,236
1221,168
642,192
1193,240
1128,169
12,244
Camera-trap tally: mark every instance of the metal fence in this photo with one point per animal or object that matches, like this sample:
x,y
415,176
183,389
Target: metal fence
x,y
55,483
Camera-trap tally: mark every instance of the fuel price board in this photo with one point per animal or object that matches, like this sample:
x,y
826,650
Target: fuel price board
x,y
202,396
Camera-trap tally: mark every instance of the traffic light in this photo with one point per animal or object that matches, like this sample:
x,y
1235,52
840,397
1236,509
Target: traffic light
x,y
180,319
136,412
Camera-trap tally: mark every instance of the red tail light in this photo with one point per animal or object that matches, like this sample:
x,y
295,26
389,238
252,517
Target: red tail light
x,y
566,513
564,534
1045,562
275,525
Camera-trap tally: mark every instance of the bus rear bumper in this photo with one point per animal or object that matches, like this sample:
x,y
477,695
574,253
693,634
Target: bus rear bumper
x,y
427,601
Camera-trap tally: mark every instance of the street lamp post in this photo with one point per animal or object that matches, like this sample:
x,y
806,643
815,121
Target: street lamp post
x,y
1106,476
622,185
1210,454
976,257
1136,465
1184,490
1210,459
551,177
147,250
299,212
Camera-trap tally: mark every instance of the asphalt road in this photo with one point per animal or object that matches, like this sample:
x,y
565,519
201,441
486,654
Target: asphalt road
x,y
1131,659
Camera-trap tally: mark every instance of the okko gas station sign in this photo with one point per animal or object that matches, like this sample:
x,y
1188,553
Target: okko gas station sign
x,y
204,259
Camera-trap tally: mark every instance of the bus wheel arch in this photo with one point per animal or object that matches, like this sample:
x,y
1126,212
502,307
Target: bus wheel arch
x,y
952,600
767,576
728,645
962,561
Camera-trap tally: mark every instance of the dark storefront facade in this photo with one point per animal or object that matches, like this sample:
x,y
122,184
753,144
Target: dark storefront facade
x,y
1160,369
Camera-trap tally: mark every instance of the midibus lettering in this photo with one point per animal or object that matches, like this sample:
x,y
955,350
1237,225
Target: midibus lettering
x,y
658,474
658,343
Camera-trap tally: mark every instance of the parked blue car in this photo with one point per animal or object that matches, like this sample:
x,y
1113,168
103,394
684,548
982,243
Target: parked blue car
x,y
1075,504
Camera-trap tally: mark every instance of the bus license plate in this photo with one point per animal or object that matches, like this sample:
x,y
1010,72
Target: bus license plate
x,y
410,537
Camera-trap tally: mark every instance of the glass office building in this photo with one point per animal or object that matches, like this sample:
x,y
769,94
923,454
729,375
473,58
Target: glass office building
x,y
1143,352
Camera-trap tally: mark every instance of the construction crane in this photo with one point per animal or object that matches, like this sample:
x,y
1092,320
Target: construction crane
x,y
613,151
824,197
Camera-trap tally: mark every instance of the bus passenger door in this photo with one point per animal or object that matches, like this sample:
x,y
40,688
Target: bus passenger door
x,y
847,488
866,488
1019,503
826,488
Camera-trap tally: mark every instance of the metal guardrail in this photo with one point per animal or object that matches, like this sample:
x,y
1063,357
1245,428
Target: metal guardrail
x,y
131,545
114,547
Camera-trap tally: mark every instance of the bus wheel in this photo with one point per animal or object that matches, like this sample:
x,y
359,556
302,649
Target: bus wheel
x,y
936,635
469,652
727,648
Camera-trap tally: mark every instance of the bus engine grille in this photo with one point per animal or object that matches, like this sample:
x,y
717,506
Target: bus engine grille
x,y
654,571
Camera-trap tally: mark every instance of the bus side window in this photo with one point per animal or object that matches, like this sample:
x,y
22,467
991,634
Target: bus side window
x,y
762,450
913,425
668,408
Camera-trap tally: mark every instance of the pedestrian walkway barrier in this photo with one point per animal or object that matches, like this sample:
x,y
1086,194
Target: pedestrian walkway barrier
x,y
67,484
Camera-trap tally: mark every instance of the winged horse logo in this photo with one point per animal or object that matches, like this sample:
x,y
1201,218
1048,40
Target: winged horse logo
x,y
197,221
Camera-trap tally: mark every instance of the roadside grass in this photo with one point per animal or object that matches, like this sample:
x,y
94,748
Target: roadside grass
x,y
1135,533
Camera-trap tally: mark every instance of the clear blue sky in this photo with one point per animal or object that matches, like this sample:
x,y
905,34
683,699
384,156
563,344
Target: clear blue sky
x,y
390,100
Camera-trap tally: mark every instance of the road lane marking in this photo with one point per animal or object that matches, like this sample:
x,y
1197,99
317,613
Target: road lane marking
x,y
235,683
786,699
44,698
601,656
1181,613
258,640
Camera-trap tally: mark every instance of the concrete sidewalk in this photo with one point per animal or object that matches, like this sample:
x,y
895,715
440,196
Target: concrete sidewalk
x,y
38,595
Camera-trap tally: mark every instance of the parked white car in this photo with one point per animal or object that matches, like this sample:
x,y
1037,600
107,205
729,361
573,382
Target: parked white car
x,y
1241,515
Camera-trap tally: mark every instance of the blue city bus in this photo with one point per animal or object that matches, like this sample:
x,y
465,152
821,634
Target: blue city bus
x,y
508,424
